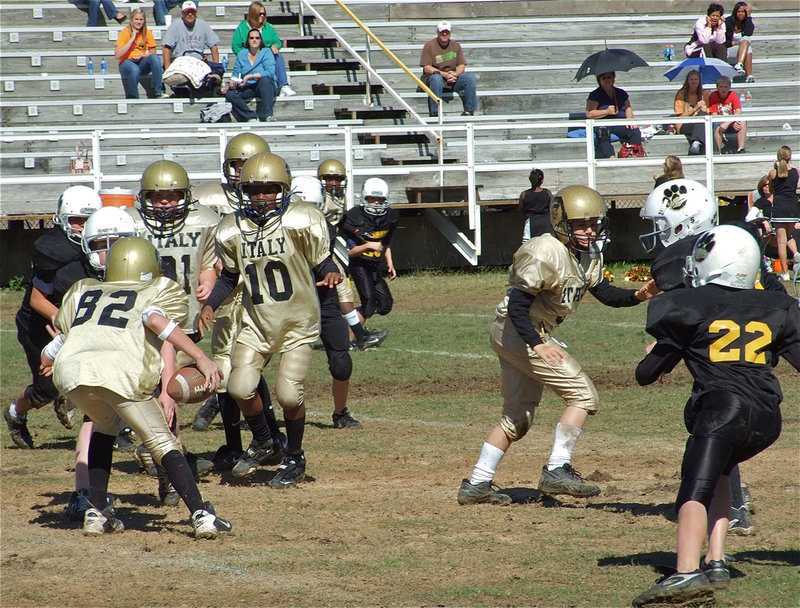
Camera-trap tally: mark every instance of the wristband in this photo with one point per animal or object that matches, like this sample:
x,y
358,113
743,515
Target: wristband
x,y
51,350
167,331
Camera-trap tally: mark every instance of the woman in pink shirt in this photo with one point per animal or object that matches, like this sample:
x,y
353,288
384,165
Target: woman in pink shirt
x,y
708,38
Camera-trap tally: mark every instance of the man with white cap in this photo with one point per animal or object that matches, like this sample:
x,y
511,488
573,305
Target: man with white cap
x,y
190,35
444,67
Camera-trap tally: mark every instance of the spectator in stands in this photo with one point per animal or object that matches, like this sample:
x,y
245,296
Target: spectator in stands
x,y
760,208
444,68
725,102
256,18
739,28
534,204
136,53
108,7
253,76
189,35
708,38
673,169
608,101
692,100
783,180
162,7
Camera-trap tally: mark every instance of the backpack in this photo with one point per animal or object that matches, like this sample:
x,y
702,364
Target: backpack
x,y
216,112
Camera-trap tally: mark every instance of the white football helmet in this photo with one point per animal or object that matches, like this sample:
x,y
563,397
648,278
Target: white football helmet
x,y
103,228
377,188
678,209
309,189
725,255
76,201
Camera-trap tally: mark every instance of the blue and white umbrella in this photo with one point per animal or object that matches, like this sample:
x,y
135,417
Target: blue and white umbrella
x,y
710,69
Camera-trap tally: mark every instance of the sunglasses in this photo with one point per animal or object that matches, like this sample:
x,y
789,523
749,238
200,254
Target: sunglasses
x,y
262,14
254,38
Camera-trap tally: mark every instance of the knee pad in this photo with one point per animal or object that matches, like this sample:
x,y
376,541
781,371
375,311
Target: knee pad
x,y
385,309
704,461
290,381
340,365
243,382
516,428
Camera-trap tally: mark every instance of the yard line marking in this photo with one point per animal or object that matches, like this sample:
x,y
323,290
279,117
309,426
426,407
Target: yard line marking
x,y
442,353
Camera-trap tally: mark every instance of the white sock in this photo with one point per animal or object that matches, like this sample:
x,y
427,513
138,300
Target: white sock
x,y
487,464
352,318
12,409
565,440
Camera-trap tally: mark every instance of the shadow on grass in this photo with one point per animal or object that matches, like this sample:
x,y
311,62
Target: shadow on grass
x,y
665,510
663,562
53,514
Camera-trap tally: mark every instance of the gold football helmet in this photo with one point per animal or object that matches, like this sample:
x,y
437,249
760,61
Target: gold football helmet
x,y
132,260
264,186
332,168
238,150
579,203
165,219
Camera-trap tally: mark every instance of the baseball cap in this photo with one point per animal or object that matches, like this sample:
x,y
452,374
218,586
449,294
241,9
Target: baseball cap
x,y
444,26
188,6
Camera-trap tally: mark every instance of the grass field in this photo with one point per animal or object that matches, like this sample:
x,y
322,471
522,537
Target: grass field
x,y
377,523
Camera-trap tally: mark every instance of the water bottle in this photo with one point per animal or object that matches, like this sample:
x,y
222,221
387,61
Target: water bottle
x,y
225,63
667,53
90,66
103,65
748,100
741,98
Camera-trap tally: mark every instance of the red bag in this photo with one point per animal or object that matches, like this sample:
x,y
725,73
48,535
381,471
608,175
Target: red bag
x,y
632,150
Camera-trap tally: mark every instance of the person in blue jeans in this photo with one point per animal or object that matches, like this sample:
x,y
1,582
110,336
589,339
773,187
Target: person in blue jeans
x,y
253,76
137,55
444,67
162,7
108,7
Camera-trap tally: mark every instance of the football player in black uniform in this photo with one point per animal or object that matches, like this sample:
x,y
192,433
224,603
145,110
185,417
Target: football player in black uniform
x,y
58,262
368,230
730,335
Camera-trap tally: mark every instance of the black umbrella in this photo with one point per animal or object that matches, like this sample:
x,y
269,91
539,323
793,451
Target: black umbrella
x,y
609,60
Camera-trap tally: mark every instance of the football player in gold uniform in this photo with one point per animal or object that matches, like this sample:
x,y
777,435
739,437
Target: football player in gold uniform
x,y
167,215
107,360
280,250
547,280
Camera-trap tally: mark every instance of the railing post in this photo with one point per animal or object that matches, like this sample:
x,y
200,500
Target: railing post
x,y
97,173
348,166
368,96
300,19
471,196
709,148
591,169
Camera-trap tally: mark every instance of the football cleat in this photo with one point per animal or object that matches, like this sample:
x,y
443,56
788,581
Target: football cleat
x,y
565,480
254,456
226,458
207,525
65,410
97,522
291,471
125,441
473,494
18,429
716,572
206,414
78,504
343,420
740,522
146,463
681,589
200,466
167,493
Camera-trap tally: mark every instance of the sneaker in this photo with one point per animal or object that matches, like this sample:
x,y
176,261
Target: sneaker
x,y
739,68
290,472
256,454
784,276
18,429
65,411
78,504
167,493
200,466
101,522
146,463
741,151
687,588
746,496
740,522
163,95
206,414
208,525
374,338
565,480
124,441
472,494
696,148
344,420
287,91
716,572
281,441
750,78
270,119
467,113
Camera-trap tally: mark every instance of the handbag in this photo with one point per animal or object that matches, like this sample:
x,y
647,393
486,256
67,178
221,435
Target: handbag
x,y
81,162
632,150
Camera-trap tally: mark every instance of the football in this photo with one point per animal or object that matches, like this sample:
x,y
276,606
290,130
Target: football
x,y
186,386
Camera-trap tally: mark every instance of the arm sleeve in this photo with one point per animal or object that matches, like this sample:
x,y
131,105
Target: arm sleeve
x,y
240,36
350,230
702,32
793,357
614,296
267,64
270,36
226,283
662,359
324,267
519,306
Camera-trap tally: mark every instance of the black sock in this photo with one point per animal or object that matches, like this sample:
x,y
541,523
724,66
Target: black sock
x,y
101,451
358,330
737,498
231,414
259,427
182,479
294,435
269,412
